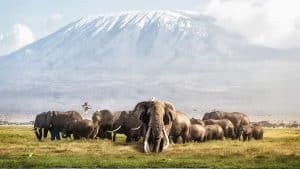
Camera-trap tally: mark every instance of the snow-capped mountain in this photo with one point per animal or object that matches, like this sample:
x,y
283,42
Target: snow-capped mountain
x,y
115,60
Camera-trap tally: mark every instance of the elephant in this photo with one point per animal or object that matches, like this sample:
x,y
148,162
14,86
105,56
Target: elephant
x,y
197,132
226,125
104,120
197,121
82,129
255,131
157,117
238,119
180,127
127,123
59,120
214,131
54,121
40,125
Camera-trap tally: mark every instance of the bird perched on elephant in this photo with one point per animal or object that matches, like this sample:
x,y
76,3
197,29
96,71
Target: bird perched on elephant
x,y
54,121
82,129
157,117
197,132
127,123
214,131
197,121
180,128
252,131
238,119
226,125
104,120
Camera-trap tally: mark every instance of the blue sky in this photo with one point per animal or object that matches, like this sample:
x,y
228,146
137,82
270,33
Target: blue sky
x,y
272,23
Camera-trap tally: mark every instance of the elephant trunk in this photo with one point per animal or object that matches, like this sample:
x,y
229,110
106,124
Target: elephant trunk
x,y
46,132
156,146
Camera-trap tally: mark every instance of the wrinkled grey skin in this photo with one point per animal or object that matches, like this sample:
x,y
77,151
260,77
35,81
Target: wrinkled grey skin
x,y
252,131
197,132
197,121
104,119
40,125
82,129
238,119
157,117
226,125
124,123
58,120
214,132
180,128
54,121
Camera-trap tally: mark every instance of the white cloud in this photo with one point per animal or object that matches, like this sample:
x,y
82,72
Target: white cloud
x,y
19,36
273,23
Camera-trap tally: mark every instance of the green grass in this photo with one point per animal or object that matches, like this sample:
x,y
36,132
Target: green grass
x,y
20,149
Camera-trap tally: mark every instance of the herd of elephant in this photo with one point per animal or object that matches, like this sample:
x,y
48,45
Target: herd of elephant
x,y
157,122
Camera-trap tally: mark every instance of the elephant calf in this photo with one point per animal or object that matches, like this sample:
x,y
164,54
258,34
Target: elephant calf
x,y
214,131
82,129
197,132
226,125
255,131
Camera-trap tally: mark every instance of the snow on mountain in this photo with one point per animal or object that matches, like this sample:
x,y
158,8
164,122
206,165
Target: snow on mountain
x,y
115,60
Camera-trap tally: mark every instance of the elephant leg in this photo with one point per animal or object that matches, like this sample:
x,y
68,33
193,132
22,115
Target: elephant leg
x,y
114,137
175,139
56,134
184,138
45,132
52,133
128,139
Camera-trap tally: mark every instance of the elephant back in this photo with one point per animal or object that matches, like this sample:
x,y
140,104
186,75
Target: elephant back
x,y
60,119
213,115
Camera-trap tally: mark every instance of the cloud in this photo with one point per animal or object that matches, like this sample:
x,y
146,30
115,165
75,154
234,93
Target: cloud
x,y
19,36
272,23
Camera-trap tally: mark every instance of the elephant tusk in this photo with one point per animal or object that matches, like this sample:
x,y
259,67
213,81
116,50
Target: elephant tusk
x,y
136,128
95,135
115,129
167,139
146,144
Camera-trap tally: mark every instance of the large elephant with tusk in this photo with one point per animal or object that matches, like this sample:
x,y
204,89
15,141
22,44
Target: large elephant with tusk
x,y
41,126
128,123
157,117
104,120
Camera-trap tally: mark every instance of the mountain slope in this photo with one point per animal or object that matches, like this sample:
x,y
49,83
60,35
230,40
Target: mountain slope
x,y
118,59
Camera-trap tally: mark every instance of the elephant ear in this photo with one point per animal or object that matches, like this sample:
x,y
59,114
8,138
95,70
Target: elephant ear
x,y
142,110
170,113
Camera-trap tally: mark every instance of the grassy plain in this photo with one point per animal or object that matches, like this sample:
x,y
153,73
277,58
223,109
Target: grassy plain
x,y
20,149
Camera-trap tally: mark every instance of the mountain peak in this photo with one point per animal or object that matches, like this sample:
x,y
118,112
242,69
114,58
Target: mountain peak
x,y
138,19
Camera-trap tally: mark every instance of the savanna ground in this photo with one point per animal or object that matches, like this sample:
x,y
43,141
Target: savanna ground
x,y
20,149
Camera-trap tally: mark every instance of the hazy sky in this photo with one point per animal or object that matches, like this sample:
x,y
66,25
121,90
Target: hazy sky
x,y
272,23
